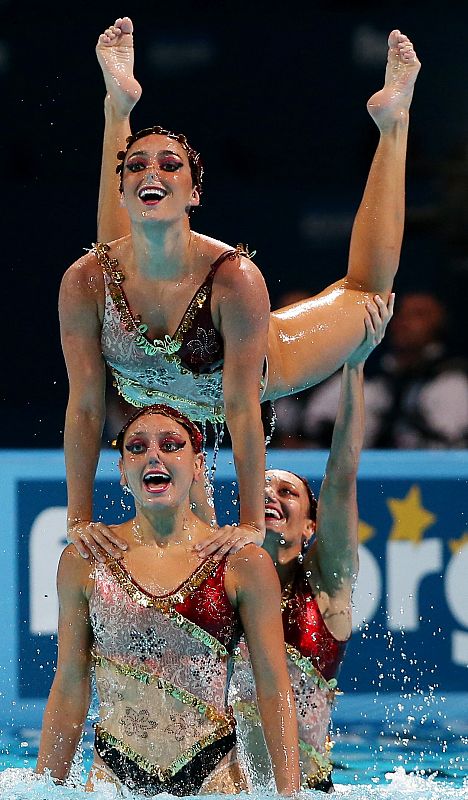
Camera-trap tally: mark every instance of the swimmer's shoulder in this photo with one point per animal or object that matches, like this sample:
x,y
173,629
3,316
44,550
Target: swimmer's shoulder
x,y
82,279
237,279
75,575
87,271
250,570
213,249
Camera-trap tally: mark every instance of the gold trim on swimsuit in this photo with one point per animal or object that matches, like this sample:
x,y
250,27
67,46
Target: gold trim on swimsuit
x,y
305,664
155,769
324,765
213,413
226,723
170,344
165,603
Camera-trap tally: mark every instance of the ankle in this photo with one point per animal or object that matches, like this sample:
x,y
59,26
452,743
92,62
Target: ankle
x,y
395,125
113,112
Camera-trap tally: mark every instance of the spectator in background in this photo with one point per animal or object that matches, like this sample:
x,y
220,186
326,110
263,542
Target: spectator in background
x,y
417,398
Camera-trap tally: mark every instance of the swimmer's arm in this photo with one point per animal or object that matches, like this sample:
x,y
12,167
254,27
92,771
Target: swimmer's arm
x,y
252,583
70,694
337,512
244,320
335,557
112,217
80,330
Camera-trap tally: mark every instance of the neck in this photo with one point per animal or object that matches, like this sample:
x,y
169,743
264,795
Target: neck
x,y
284,557
170,527
161,249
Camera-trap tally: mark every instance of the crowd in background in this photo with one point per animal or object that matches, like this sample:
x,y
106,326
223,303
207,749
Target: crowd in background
x,y
286,145
416,392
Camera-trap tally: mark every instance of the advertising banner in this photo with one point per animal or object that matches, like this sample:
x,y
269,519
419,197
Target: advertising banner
x,y
410,603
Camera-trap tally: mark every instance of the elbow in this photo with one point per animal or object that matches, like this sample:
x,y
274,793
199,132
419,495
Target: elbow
x,y
343,472
87,413
241,407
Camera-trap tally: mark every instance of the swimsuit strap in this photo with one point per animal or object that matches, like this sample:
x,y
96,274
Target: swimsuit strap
x,y
231,255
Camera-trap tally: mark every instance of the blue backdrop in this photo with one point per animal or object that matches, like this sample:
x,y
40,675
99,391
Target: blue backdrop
x,y
411,601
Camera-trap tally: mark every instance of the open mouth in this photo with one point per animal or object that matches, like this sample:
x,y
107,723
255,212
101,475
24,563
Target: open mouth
x,y
273,513
151,195
156,482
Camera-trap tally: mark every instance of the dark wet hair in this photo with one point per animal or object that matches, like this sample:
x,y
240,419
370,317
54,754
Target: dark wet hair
x,y
193,431
310,495
194,158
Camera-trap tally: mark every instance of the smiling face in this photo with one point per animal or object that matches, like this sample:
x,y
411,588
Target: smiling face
x,y
157,180
287,511
158,462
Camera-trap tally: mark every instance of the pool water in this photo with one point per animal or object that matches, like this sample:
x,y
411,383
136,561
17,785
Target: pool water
x,y
411,761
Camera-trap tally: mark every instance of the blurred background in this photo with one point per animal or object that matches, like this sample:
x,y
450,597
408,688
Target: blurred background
x,y
274,97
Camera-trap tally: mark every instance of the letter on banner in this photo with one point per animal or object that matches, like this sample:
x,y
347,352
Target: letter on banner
x,y
46,542
407,564
368,590
456,592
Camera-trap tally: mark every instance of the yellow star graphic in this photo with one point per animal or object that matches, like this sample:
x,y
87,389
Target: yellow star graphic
x,y
456,544
365,532
410,518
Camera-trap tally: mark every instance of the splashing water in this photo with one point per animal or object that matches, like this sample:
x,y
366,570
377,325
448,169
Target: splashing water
x,y
273,420
401,786
23,784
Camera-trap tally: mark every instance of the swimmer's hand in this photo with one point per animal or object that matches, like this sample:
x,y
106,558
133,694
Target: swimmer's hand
x,y
376,320
95,539
229,539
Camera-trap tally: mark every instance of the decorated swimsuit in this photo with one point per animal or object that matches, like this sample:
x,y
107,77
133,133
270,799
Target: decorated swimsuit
x,y
162,668
314,657
183,370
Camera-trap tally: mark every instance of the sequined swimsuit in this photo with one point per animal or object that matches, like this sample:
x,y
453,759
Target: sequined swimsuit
x,y
314,659
184,370
162,667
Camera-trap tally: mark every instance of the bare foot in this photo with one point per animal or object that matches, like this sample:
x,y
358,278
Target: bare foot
x,y
391,104
114,51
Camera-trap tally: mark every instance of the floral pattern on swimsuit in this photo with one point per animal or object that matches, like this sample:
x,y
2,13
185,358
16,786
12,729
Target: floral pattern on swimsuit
x,y
161,667
184,370
314,694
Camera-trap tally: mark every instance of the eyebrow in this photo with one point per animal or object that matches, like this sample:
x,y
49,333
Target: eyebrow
x,y
288,483
159,153
285,481
161,433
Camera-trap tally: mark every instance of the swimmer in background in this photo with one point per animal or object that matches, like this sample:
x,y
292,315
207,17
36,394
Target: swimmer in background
x,y
161,263
159,627
314,546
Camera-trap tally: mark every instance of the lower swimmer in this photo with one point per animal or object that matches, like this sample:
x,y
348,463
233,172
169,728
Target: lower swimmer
x,y
159,627
314,546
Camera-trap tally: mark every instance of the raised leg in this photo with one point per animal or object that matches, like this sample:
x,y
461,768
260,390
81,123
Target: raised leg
x,y
378,228
115,55
310,340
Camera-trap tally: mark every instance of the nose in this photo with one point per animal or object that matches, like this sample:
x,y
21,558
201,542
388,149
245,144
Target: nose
x,y
154,457
269,493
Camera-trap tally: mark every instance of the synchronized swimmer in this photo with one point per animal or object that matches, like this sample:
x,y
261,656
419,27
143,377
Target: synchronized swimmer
x,y
157,605
182,318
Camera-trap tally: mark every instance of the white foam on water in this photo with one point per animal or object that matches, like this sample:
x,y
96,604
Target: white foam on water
x,y
24,784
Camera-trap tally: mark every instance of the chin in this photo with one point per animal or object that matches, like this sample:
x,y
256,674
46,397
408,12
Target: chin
x,y
275,534
156,501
